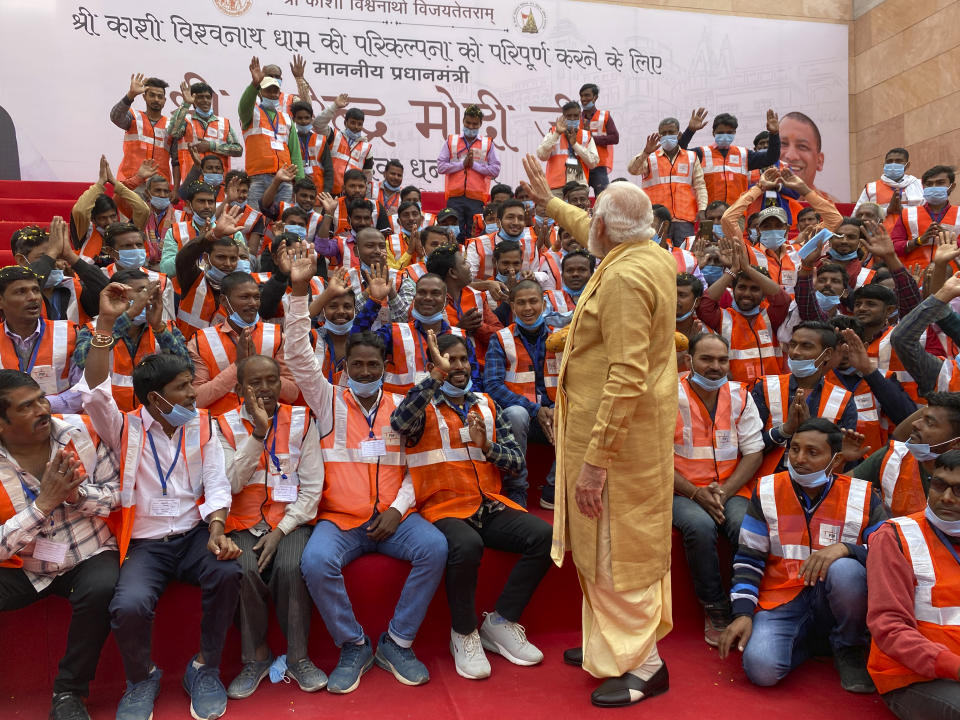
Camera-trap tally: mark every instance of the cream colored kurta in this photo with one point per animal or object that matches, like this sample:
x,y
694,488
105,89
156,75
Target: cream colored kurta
x,y
617,409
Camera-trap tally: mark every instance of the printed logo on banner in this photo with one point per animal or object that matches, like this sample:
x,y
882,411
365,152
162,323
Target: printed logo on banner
x,y
233,7
530,18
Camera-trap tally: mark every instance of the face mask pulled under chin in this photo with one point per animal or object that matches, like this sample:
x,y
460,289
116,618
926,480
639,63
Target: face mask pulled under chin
x,y
815,479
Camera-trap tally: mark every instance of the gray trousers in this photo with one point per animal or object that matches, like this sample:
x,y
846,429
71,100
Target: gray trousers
x,y
282,581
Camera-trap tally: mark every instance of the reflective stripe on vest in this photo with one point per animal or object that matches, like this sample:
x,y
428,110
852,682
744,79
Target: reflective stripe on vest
x,y
923,570
732,397
446,453
405,352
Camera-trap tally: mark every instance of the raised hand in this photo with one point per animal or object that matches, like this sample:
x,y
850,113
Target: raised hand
x,y
155,308
114,301
773,122
136,86
298,66
537,187
104,175
139,300
947,249
856,351
895,206
414,246
148,168
770,180
950,289
698,119
228,224
329,203
653,142
195,153
793,181
339,283
245,346
288,173
256,74
303,263
561,124
342,100
440,362
378,282
877,240
254,405
478,429
185,92
798,414
853,448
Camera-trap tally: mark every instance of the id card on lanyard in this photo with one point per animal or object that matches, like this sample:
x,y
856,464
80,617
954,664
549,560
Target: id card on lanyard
x,y
165,506
373,447
284,489
44,548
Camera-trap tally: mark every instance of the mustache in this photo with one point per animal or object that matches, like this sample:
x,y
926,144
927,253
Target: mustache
x,y
44,418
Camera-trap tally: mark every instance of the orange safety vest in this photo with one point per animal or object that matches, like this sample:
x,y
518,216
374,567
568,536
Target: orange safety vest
x,y
356,484
83,443
903,492
888,363
598,126
408,357
686,262
754,348
265,142
248,220
217,350
468,182
776,393
451,477
878,192
255,500
312,152
551,264
916,220
483,246
557,162
936,600
841,516
397,245
707,449
726,177
217,130
391,203
868,412
198,308
183,232
560,301
470,299
166,286
783,270
414,272
54,350
145,141
346,158
196,434
122,365
948,380
671,183
93,245
520,377
313,218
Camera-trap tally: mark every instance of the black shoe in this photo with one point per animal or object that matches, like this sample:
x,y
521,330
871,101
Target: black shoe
x,y
573,656
68,706
851,663
629,689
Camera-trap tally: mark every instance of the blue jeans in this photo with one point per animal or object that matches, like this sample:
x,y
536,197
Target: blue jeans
x,y
331,549
700,542
515,486
599,179
259,185
784,637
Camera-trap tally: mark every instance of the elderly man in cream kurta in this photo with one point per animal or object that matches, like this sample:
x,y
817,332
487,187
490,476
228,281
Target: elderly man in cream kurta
x,y
616,413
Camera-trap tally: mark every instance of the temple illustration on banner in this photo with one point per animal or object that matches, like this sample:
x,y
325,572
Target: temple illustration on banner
x,y
529,24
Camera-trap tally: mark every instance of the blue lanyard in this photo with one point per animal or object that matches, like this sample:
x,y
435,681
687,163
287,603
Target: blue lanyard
x,y
372,417
418,339
274,123
333,361
273,448
31,495
156,459
36,349
456,306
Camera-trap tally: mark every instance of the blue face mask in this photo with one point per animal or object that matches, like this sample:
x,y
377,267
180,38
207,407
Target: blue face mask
x,y
243,265
305,129
847,371
365,389
681,318
803,368
141,319
427,319
724,140
215,275
237,320
923,451
717,230
748,313
535,325
711,273
491,228
772,239
668,142
843,258
936,195
503,277
548,222
528,204
754,234
298,230
827,302
338,329
54,278
809,480
213,179
470,133
707,383
178,415
571,292
589,105
947,527
160,203
269,103
351,136
894,171
454,391
203,114
131,257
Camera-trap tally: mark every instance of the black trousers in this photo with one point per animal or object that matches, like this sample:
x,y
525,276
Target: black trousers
x,y
508,530
89,587
148,567
935,700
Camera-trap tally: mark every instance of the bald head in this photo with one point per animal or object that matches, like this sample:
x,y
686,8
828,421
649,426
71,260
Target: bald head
x,y
624,213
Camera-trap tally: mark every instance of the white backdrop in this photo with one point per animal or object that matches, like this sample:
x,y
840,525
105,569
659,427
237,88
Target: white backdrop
x,y
413,65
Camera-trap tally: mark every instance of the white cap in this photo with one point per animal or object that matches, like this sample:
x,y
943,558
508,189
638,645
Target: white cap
x,y
269,82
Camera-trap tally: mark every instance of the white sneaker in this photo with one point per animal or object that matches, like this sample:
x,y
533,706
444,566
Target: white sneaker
x,y
510,640
468,655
